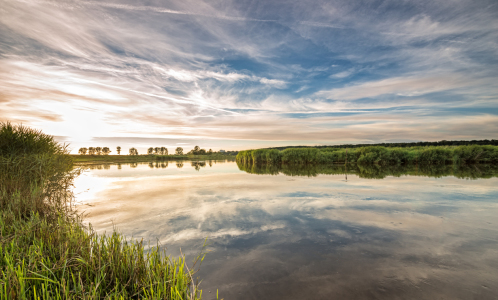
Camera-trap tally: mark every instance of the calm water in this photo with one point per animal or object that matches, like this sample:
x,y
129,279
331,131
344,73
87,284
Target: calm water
x,y
319,237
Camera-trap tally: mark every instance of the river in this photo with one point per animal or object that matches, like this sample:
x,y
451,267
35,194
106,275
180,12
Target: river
x,y
321,234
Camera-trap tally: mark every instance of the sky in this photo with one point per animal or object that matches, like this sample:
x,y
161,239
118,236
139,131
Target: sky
x,y
238,75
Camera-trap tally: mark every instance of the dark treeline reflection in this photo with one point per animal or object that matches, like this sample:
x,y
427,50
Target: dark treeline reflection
x,y
197,165
374,171
158,165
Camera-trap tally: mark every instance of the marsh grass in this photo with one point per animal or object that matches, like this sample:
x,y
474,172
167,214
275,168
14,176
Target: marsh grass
x,y
46,252
432,155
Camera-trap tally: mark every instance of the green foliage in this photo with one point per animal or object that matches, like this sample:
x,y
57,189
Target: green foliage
x,y
106,151
179,151
45,251
373,155
17,140
82,151
62,260
133,151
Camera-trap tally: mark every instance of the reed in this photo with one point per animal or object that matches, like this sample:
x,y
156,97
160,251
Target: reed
x,y
46,252
433,155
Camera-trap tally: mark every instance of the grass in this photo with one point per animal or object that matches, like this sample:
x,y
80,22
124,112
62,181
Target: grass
x,y
433,155
46,252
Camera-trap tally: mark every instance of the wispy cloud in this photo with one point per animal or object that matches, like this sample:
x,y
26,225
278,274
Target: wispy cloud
x,y
295,73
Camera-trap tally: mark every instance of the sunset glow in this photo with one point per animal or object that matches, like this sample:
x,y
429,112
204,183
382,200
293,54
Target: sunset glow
x,y
236,75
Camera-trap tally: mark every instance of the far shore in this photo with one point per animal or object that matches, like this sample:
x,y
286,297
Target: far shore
x,y
84,159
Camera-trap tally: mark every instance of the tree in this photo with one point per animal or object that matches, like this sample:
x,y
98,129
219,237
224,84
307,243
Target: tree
x,y
98,150
91,151
157,150
150,151
202,152
179,151
106,151
164,151
118,149
196,150
210,152
82,151
133,151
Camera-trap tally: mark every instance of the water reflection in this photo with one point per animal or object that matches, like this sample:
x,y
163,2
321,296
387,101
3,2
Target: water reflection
x,y
197,165
306,233
374,171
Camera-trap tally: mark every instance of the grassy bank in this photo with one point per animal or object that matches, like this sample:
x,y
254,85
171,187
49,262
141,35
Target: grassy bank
x,y
45,251
143,158
374,155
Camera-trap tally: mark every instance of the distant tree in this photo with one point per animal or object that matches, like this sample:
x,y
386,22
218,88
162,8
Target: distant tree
x,y
133,151
196,150
210,152
157,150
150,151
98,150
179,151
91,151
201,152
106,151
164,151
82,151
118,149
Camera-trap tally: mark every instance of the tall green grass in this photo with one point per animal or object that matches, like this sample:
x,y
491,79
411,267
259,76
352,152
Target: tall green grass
x,y
433,155
46,252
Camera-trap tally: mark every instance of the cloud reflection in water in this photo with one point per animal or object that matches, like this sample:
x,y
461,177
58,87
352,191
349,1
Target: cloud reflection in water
x,y
281,237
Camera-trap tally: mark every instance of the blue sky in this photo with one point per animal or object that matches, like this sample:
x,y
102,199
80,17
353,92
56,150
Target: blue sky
x,y
246,74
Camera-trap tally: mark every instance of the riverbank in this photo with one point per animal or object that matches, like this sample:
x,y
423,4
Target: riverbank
x,y
374,155
84,159
46,252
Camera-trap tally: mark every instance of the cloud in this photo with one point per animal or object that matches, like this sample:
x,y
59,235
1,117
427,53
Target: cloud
x,y
402,86
310,72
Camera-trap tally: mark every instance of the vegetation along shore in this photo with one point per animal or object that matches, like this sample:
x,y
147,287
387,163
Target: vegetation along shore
x,y
101,155
46,252
374,155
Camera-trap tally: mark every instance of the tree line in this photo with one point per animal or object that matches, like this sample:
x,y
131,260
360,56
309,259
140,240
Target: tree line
x,y
150,151
96,150
134,151
491,142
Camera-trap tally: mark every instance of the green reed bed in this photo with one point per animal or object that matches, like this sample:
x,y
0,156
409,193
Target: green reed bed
x,y
45,251
374,155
